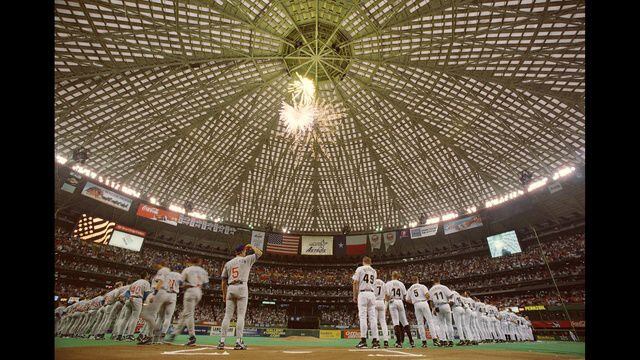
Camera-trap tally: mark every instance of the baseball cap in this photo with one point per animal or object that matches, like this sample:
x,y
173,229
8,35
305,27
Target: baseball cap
x,y
240,248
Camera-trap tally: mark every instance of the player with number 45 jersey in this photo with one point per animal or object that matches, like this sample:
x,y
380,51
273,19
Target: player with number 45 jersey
x,y
364,281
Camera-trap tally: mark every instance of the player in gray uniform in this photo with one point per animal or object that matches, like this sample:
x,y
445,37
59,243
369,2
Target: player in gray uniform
x,y
155,302
396,293
110,303
381,309
67,320
193,278
235,291
59,312
442,299
418,295
93,312
174,281
132,307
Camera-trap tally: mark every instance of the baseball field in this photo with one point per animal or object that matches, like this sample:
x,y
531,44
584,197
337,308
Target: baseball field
x,y
309,348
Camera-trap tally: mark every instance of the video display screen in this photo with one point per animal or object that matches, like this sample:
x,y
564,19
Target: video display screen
x,y
504,244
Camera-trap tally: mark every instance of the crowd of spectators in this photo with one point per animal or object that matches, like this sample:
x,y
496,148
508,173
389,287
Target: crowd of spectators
x,y
476,273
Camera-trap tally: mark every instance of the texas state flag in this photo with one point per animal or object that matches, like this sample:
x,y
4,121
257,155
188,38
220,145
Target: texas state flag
x,y
356,244
339,245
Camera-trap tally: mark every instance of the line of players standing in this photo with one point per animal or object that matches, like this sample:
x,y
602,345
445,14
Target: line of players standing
x,y
120,308
437,307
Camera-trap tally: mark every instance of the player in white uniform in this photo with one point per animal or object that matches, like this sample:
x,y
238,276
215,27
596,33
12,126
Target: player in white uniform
x,y
138,291
363,294
470,319
59,312
381,310
155,301
193,279
235,291
418,295
396,293
442,299
458,309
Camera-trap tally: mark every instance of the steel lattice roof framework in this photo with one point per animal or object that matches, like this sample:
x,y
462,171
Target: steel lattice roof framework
x,y
446,102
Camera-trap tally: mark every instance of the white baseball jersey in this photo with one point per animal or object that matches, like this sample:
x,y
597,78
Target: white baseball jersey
x,y
237,269
457,299
139,287
396,290
468,303
172,282
60,310
195,276
379,291
160,275
440,294
366,276
417,293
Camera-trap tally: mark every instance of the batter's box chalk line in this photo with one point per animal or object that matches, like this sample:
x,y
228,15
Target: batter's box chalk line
x,y
193,352
388,353
296,352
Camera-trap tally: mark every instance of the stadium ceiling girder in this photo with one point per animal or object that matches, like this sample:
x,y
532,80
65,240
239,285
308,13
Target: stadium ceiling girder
x,y
444,102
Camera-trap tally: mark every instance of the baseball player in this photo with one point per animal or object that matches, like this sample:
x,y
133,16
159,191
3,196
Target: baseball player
x,y
138,292
396,293
93,315
67,320
193,279
470,319
441,297
174,281
111,310
235,275
458,309
155,301
418,295
381,310
363,294
59,312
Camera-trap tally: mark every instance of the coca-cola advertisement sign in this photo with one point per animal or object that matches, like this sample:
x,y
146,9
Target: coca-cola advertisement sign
x,y
158,214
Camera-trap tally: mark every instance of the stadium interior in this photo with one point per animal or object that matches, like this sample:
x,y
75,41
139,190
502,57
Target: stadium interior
x,y
184,129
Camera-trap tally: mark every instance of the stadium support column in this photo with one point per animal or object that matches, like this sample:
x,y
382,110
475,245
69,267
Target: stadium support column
x,y
544,258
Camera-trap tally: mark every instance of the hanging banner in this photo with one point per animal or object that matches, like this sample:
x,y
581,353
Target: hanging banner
x,y
423,231
462,224
389,239
257,239
375,240
317,245
106,196
158,214
206,225
404,233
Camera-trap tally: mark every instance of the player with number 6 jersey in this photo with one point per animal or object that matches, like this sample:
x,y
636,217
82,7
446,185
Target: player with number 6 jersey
x,y
363,294
235,291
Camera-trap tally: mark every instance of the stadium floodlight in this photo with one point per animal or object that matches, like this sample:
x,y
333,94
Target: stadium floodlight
x,y
449,216
61,159
471,209
153,200
563,172
177,209
537,184
198,215
433,220
413,224
501,199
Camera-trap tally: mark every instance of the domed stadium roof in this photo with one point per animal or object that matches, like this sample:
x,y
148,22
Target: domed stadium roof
x,y
442,104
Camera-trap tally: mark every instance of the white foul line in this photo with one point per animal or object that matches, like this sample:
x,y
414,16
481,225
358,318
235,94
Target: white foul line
x,y
191,352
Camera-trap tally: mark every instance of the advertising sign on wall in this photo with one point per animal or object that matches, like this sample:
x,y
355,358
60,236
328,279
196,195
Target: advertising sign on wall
x,y
317,245
158,214
106,196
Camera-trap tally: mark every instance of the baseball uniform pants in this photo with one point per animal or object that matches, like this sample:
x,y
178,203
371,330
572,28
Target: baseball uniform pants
x,y
112,317
444,314
236,301
166,313
397,312
150,313
423,315
458,318
367,310
468,331
192,297
381,315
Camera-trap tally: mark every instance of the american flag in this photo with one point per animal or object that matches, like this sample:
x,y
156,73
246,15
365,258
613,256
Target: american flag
x,y
94,229
283,244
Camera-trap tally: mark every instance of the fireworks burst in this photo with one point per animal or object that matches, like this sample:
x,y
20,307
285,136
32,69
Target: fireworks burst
x,y
307,119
